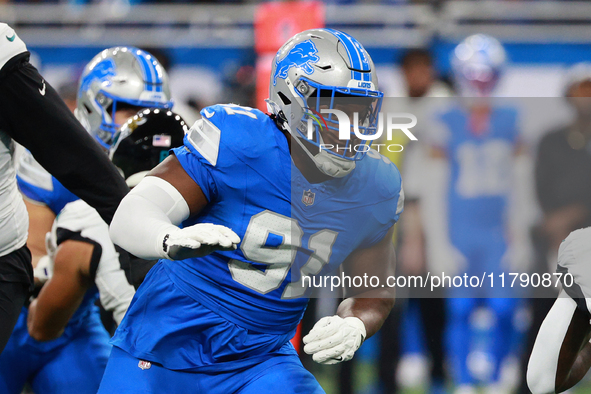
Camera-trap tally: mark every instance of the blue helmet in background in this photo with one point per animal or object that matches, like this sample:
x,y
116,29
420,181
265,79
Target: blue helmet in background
x,y
478,63
116,77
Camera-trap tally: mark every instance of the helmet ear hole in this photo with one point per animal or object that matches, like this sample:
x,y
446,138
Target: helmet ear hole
x,y
284,99
87,108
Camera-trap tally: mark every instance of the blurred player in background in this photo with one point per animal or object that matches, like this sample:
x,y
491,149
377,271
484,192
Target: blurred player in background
x,y
112,87
33,115
475,204
115,84
218,319
62,330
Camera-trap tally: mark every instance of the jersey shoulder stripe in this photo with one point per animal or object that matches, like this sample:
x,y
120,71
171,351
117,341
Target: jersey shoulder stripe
x,y
230,123
204,136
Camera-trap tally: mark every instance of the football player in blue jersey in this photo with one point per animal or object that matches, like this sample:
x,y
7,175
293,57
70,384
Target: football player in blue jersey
x,y
261,203
114,85
62,329
477,203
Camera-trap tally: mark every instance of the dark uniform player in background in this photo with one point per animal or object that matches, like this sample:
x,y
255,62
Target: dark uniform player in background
x,y
32,114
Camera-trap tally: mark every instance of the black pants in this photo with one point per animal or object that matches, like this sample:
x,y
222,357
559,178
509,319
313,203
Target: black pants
x,y
16,280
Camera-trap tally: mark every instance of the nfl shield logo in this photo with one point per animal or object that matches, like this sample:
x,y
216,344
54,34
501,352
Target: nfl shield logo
x,y
144,364
308,197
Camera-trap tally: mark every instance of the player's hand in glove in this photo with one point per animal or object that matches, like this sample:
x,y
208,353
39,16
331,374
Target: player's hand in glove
x,y
334,339
44,269
198,240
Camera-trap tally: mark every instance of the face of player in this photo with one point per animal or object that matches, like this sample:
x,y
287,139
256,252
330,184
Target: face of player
x,y
122,115
360,106
331,135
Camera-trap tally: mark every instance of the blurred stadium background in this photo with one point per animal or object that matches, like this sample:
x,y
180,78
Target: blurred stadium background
x,y
211,51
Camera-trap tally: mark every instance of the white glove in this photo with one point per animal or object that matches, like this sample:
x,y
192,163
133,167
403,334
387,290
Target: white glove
x,y
197,241
51,245
44,269
334,339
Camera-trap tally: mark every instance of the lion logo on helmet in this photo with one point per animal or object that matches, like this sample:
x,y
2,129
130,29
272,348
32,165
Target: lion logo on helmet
x,y
102,71
301,56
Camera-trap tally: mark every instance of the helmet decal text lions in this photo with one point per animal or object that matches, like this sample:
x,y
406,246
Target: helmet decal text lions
x,y
301,55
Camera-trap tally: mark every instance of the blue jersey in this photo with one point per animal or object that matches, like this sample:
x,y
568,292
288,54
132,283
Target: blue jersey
x,y
481,166
242,163
86,309
53,367
36,184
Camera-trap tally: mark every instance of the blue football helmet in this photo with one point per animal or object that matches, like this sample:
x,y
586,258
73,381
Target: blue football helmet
x,y
319,70
478,62
116,77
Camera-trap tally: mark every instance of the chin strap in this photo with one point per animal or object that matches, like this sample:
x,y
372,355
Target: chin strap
x,y
325,162
329,164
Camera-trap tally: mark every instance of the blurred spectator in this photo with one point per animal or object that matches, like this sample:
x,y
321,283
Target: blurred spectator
x,y
419,75
564,164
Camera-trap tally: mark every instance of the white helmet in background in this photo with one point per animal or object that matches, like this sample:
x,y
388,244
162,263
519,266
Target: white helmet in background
x,y
320,68
478,63
119,77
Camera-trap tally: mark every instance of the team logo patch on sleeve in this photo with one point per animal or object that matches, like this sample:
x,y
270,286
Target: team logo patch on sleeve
x,y
308,197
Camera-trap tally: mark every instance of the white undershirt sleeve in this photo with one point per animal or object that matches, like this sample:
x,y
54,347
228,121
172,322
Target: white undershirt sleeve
x,y
151,210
